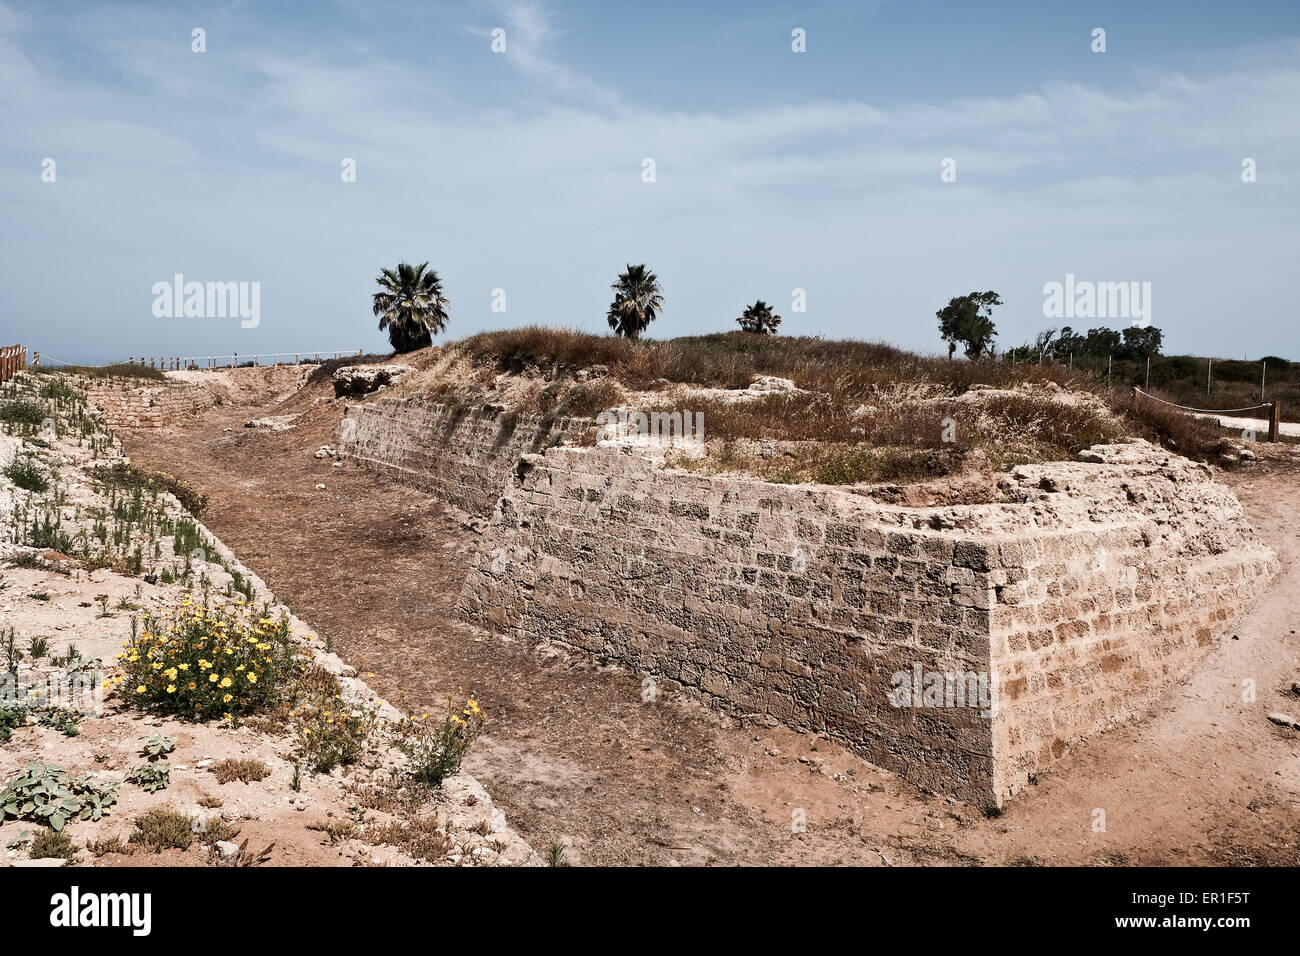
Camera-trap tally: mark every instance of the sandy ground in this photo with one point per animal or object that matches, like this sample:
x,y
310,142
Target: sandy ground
x,y
362,814
575,758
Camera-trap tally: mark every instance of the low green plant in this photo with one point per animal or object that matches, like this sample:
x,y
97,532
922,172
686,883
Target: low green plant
x,y
23,412
436,751
331,733
44,793
157,746
61,719
12,716
13,656
151,777
39,647
25,473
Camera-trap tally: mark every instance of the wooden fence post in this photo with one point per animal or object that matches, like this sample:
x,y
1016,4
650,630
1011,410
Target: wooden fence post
x,y
1275,421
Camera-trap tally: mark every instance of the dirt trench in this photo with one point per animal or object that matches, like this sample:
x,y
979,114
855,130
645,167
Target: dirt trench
x,y
575,757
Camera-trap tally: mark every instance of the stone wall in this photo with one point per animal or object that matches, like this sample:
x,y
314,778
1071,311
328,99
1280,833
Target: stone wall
x,y
126,403
1079,597
808,604
462,454
1090,623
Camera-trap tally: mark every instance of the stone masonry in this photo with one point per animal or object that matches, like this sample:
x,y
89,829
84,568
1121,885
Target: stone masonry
x,y
1090,588
126,403
461,454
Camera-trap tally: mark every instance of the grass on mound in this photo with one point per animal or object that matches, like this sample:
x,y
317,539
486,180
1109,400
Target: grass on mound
x,y
129,478
868,412
119,370
842,368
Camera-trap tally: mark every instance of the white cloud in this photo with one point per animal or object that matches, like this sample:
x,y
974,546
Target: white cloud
x,y
235,175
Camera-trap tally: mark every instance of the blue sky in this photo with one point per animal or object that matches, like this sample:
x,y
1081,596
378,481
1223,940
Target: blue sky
x,y
522,171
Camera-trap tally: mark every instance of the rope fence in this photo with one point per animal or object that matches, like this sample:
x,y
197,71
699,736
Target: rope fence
x,y
1274,417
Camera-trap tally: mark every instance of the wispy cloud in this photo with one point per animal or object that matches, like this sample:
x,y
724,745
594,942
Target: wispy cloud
x,y
231,170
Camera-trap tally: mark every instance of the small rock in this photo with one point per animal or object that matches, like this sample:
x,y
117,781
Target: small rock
x,y
226,849
1283,720
320,487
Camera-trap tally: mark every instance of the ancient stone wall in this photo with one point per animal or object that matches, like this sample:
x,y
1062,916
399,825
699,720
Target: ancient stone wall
x,y
1073,603
758,598
462,454
126,403
964,647
1091,621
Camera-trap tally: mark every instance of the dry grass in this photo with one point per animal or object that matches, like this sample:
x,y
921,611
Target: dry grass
x,y
163,829
422,838
247,771
866,412
843,369
1193,437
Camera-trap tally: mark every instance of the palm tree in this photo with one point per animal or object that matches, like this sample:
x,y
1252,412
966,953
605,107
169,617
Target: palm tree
x,y
638,297
411,306
759,318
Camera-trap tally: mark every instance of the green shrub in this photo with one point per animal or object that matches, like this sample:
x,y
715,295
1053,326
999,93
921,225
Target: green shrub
x,y
23,412
157,746
151,777
436,752
52,844
332,734
132,478
11,717
201,662
26,473
45,794
61,719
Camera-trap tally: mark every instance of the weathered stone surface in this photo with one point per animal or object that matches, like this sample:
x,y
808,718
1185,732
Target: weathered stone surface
x,y
1092,588
364,379
463,455
125,403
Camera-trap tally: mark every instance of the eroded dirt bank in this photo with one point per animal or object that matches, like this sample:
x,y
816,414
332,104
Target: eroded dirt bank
x,y
574,757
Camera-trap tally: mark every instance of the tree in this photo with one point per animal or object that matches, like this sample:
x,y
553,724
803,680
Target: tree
x,y
638,297
1140,343
1068,342
411,306
759,318
1102,341
967,319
